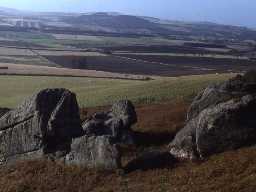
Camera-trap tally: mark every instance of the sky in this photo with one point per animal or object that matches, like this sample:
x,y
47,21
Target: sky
x,y
233,12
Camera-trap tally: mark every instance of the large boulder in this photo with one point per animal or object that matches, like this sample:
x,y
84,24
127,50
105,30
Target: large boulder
x,y
98,152
220,118
116,122
44,124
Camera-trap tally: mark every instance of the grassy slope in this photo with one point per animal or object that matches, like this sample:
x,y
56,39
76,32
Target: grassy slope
x,y
230,171
99,92
225,172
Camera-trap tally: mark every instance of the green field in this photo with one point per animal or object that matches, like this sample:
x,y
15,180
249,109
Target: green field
x,y
99,92
64,40
99,41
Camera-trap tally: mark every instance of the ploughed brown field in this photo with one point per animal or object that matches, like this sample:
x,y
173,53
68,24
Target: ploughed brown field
x,y
157,125
154,64
118,63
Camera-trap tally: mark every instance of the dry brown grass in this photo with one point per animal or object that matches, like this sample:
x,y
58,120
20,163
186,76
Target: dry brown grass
x,y
164,117
226,172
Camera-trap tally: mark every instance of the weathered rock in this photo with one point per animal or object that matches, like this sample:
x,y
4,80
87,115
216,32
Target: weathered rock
x,y
125,111
3,111
116,123
234,88
209,97
184,144
45,122
221,118
98,152
245,84
229,125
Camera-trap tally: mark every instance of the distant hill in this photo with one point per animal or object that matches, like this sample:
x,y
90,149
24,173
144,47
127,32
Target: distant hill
x,y
116,23
10,11
119,24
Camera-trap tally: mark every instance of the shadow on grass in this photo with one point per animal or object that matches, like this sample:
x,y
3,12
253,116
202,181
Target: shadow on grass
x,y
149,153
151,161
143,139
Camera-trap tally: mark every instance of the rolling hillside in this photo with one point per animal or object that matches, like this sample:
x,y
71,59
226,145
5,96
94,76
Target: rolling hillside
x,y
117,24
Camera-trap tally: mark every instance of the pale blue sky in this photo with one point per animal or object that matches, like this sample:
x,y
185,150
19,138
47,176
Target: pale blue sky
x,y
235,12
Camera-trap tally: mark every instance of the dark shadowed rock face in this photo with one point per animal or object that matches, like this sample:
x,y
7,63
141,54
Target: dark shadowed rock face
x,y
116,122
43,124
94,152
220,118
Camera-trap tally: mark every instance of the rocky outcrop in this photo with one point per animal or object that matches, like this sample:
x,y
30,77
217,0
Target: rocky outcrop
x,y
220,118
103,132
42,125
116,122
48,125
233,88
97,152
